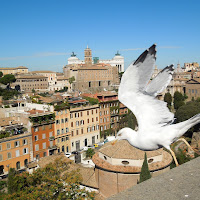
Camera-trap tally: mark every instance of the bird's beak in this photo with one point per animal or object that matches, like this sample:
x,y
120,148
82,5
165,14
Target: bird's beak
x,y
114,142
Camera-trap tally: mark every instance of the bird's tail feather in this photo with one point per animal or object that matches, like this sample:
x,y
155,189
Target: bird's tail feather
x,y
184,126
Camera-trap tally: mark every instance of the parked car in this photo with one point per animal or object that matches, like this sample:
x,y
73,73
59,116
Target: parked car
x,y
96,145
90,146
101,143
84,148
75,152
68,154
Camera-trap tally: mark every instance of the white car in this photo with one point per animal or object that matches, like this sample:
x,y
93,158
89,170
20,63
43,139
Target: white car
x,y
68,154
84,148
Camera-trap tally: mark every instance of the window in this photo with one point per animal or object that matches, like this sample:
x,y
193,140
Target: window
x,y
96,119
58,132
62,120
96,111
97,127
88,112
92,119
81,114
50,134
0,147
89,83
92,112
44,145
88,121
72,144
100,113
1,157
44,154
77,123
72,133
97,137
63,139
66,120
101,128
76,132
18,165
9,155
8,145
37,156
58,140
25,150
36,129
67,130
25,142
43,136
57,121
62,131
67,138
63,148
71,116
71,124
17,153
82,131
37,147
17,144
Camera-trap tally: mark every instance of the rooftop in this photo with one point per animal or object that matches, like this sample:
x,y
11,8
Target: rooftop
x,y
178,184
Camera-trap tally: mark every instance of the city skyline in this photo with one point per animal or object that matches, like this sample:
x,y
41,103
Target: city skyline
x,y
42,35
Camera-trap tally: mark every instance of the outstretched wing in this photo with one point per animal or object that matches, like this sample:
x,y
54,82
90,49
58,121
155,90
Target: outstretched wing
x,y
149,111
160,82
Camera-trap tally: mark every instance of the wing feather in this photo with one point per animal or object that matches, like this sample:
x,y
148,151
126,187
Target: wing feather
x,y
149,111
160,82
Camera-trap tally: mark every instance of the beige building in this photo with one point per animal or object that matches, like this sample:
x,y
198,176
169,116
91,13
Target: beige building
x,y
193,89
92,77
29,82
84,126
16,70
62,130
118,167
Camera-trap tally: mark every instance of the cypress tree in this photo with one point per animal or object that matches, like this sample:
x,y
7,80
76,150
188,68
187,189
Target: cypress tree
x,y
12,187
145,173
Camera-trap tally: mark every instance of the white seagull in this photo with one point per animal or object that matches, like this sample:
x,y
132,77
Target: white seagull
x,y
155,128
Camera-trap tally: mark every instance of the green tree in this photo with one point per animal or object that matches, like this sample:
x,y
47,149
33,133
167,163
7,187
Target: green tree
x,y
90,152
54,181
145,173
7,79
71,80
168,99
187,111
1,74
178,100
12,187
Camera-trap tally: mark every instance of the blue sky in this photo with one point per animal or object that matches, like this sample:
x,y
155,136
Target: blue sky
x,y
41,34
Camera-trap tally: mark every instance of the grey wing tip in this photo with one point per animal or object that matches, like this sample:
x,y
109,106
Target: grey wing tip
x,y
152,50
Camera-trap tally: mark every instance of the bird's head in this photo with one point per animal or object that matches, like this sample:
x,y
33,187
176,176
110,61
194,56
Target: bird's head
x,y
124,134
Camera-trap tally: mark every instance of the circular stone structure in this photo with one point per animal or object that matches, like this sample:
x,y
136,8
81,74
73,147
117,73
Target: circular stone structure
x,y
118,167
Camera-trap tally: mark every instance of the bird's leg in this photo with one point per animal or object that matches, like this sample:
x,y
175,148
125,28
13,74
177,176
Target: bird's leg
x,y
184,140
174,157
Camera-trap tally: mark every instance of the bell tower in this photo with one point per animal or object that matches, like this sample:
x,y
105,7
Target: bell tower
x,y
88,56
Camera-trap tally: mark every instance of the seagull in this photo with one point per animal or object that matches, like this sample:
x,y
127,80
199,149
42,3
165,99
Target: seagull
x,y
155,121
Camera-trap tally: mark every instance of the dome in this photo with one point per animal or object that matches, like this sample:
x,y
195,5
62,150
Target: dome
x,y
72,58
122,157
